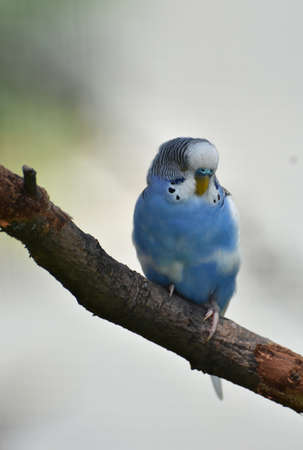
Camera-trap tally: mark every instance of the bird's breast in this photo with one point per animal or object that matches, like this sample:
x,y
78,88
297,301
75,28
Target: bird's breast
x,y
189,234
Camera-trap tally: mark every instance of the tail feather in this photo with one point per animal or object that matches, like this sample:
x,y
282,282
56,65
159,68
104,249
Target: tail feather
x,y
217,384
216,381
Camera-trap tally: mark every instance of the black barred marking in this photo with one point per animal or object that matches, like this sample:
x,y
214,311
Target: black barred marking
x,y
171,190
178,180
216,183
171,159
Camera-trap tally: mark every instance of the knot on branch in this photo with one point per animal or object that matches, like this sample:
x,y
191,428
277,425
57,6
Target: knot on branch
x,y
29,181
22,200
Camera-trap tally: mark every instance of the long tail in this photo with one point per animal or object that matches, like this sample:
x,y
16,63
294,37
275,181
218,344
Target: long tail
x,y
217,384
216,381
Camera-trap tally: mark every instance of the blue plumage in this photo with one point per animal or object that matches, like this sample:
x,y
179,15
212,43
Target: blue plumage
x,y
185,225
181,243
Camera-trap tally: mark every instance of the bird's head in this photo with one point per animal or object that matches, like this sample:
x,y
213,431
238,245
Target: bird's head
x,y
193,160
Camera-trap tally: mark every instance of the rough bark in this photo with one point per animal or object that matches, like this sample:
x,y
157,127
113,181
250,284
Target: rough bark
x,y
112,291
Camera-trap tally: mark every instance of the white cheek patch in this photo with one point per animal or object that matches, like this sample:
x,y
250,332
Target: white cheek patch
x,y
212,195
183,190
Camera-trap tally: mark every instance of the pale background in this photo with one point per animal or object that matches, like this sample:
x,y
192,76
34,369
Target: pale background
x,y
88,91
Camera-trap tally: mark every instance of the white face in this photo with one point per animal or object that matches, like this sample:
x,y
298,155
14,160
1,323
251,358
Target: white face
x,y
202,155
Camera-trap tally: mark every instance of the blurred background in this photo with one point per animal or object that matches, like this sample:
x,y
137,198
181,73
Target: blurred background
x,y
88,91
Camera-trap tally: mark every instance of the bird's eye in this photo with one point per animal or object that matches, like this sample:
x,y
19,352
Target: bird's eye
x,y
177,180
202,172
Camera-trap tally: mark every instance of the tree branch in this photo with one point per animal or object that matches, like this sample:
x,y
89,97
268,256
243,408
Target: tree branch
x,y
115,293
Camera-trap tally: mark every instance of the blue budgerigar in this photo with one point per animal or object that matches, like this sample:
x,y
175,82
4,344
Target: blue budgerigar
x,y
186,228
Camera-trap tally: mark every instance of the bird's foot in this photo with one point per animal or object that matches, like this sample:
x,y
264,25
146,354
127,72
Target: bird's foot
x,y
171,289
213,312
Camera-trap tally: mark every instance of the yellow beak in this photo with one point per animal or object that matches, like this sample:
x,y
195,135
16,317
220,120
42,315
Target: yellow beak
x,y
202,184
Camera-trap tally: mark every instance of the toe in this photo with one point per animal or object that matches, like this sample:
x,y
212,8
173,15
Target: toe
x,y
171,289
214,325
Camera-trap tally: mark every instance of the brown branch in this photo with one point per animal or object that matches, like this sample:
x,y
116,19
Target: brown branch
x,y
114,292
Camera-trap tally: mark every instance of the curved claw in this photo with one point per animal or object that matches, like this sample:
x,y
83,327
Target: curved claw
x,y
171,289
213,312
209,313
214,324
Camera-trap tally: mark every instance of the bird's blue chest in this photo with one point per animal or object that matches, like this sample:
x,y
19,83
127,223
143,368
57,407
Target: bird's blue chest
x,y
192,244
